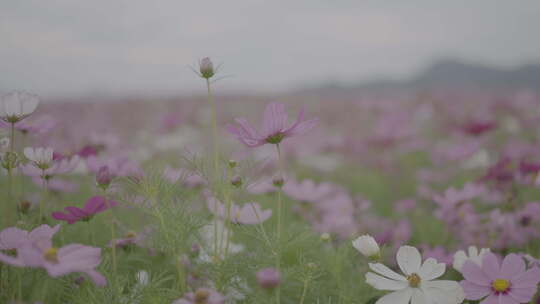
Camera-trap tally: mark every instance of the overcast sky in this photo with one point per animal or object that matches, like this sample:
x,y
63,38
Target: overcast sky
x,y
71,47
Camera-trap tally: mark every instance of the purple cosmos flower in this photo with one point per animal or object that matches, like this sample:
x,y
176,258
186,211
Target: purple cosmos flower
x,y
94,205
506,283
248,214
56,166
274,127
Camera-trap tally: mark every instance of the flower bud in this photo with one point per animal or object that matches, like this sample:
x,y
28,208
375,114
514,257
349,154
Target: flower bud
x,y
232,163
268,278
10,160
206,68
24,207
236,181
278,181
325,237
367,246
104,177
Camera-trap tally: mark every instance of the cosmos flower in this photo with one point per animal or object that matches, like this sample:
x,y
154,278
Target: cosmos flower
x,y
308,190
508,282
247,214
42,165
472,254
418,285
93,206
274,127
40,158
16,106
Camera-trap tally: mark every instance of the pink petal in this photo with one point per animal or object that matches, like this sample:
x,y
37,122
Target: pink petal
x,y
274,119
474,274
76,212
65,217
512,265
491,266
474,291
530,278
97,278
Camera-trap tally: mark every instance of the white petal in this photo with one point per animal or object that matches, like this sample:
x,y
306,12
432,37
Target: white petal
x,y
418,297
431,269
387,272
398,297
382,283
443,292
459,259
29,153
409,259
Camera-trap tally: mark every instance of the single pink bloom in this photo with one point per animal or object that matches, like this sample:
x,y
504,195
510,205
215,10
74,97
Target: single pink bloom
x,y
94,205
274,127
202,295
508,282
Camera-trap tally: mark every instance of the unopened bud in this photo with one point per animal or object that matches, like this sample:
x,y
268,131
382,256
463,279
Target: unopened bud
x,y
367,246
10,160
236,181
104,177
206,68
278,181
232,163
325,237
24,207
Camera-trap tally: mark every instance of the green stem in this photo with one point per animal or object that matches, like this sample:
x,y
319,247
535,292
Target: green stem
x,y
45,194
215,147
113,235
278,227
304,291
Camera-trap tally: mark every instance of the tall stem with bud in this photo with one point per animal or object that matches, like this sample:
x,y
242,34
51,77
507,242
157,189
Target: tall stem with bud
x,y
278,225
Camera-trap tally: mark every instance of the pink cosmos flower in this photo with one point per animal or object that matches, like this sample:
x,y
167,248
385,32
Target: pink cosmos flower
x,y
248,214
308,190
496,283
274,127
94,205
62,261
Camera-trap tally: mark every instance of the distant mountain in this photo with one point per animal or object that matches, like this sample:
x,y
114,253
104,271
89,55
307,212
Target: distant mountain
x,y
451,74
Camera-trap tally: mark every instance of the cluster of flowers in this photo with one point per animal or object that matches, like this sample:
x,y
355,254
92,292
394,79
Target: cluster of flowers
x,y
487,277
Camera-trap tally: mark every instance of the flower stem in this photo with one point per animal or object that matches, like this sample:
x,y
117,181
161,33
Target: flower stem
x,y
10,175
45,194
278,227
304,291
113,235
215,147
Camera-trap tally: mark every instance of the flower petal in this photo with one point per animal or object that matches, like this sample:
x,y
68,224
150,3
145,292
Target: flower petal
x,y
382,283
387,272
443,292
409,259
474,291
512,266
473,273
398,297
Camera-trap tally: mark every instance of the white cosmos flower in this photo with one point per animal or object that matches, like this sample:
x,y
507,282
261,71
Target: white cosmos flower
x,y
40,157
461,257
16,106
367,246
416,285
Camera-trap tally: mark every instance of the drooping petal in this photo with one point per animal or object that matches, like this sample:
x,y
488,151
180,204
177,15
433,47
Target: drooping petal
x,y
387,272
97,278
382,283
65,217
409,259
302,127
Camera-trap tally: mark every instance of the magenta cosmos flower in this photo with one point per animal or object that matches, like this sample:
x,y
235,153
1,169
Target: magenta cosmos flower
x,y
94,205
496,283
274,127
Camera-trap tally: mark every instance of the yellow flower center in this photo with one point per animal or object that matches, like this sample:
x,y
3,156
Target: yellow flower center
x,y
51,255
131,235
414,280
500,285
